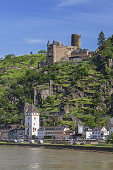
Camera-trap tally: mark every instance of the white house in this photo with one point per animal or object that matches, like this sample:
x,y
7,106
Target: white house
x,y
31,121
100,133
88,134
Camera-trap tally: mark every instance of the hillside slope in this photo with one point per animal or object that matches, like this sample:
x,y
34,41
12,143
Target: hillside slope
x,y
58,90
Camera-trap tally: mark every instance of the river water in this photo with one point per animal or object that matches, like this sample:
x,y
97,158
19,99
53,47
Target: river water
x,y
26,158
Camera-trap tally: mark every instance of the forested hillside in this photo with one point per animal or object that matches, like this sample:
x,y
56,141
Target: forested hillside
x,y
58,90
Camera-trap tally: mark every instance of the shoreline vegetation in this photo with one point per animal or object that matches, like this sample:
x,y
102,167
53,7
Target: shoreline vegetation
x,y
88,147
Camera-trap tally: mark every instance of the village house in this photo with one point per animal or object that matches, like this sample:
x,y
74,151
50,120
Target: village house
x,y
63,132
99,133
4,134
88,133
60,132
17,133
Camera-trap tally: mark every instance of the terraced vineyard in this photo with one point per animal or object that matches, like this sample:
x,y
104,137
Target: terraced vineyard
x,y
57,90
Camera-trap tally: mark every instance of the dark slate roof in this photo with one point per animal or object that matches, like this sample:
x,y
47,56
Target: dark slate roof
x,y
53,128
111,120
32,109
97,128
61,127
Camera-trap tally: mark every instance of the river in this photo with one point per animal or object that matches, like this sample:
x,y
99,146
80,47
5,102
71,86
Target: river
x,y
27,158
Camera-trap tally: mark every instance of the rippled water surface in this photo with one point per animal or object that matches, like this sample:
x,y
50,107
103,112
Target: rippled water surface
x,y
26,158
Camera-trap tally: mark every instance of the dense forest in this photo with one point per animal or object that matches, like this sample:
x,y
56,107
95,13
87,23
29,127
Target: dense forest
x,y
58,90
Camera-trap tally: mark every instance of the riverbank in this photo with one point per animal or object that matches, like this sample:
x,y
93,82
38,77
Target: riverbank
x,y
63,146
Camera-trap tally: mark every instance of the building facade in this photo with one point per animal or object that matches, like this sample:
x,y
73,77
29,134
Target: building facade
x,y
4,134
100,133
18,133
88,134
60,132
31,121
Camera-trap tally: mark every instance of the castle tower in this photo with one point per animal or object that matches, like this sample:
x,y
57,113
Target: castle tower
x,y
48,43
76,40
31,121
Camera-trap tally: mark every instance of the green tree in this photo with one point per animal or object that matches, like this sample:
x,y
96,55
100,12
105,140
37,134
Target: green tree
x,y
110,139
9,56
42,52
2,120
101,38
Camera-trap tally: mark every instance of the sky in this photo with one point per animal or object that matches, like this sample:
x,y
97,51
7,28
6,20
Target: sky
x,y
27,25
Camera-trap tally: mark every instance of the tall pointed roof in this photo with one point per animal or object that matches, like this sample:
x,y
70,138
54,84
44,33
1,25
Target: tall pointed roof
x,y
31,109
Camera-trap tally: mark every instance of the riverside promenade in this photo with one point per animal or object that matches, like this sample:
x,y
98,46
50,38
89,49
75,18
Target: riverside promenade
x,y
63,146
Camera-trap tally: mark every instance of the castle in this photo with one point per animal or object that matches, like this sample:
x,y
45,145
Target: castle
x,y
57,52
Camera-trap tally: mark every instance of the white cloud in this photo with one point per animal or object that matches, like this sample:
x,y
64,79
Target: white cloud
x,y
34,41
71,2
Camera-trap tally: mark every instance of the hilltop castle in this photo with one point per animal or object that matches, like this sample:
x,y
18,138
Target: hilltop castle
x,y
57,52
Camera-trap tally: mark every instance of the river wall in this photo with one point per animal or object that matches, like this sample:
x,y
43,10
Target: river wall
x,y
74,147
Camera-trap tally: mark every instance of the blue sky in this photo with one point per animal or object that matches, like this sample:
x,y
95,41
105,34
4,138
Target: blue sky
x,y
27,25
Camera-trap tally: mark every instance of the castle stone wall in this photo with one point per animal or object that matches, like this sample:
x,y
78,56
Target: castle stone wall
x,y
60,53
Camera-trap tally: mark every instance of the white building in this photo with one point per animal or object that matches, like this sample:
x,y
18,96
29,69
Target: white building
x,y
100,133
31,121
88,134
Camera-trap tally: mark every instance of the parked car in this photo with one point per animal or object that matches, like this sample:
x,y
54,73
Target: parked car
x,y
31,141
15,141
21,141
40,141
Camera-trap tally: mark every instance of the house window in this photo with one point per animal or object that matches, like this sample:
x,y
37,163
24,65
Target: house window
x,y
34,118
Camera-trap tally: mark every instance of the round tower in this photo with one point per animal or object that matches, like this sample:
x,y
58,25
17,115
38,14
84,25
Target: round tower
x,y
76,40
